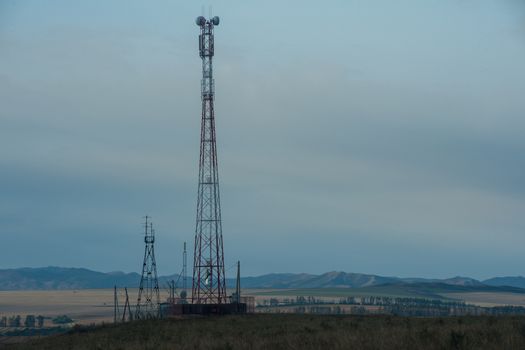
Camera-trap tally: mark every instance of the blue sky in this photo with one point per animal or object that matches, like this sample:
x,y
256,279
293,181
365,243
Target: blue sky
x,y
365,136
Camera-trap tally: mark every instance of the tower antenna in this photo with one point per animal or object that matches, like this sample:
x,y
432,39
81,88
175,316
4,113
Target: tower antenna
x,y
148,301
238,284
209,285
115,305
127,308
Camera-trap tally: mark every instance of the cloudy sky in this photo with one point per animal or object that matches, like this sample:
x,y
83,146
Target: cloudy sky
x,y
380,136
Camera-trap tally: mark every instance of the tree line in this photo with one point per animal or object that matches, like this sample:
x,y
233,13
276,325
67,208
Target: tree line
x,y
385,305
31,321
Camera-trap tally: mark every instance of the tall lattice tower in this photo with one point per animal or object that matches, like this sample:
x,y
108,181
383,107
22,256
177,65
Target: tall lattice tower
x,y
209,285
148,302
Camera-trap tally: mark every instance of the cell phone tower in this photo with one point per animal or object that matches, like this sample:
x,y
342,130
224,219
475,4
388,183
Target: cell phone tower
x,y
148,301
209,285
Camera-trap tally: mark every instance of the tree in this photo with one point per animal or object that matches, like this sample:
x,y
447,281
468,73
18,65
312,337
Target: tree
x,y
62,319
14,321
30,321
40,321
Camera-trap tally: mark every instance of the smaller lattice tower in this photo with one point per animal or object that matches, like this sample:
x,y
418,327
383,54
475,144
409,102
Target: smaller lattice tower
x,y
184,269
148,301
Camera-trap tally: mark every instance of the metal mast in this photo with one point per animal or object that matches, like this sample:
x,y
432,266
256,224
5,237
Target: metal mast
x,y
238,284
209,285
184,269
148,301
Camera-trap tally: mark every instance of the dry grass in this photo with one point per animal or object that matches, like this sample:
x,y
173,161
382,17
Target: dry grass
x,y
489,299
262,331
96,305
84,306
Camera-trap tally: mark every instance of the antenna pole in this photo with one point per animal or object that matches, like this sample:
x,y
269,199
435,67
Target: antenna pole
x,y
238,284
184,269
115,305
149,307
209,283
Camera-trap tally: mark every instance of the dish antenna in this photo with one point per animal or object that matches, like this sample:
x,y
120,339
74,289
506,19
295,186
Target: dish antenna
x,y
201,21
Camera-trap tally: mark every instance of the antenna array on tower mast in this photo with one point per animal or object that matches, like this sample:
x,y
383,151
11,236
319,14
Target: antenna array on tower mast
x,y
148,302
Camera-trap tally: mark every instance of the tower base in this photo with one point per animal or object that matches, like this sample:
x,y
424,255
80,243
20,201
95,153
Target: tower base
x,y
204,309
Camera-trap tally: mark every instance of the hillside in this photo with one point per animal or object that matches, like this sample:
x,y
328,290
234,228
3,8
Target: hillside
x,y
338,279
79,278
62,278
332,279
281,331
515,281
424,290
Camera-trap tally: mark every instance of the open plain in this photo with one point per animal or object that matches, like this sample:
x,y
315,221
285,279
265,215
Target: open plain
x,y
95,306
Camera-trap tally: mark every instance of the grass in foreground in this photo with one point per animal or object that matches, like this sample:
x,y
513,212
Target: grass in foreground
x,y
265,331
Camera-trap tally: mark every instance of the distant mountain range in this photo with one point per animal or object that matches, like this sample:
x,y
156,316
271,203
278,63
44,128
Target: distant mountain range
x,y
79,278
337,279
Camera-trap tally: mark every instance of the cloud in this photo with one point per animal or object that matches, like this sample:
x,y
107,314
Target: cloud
x,y
365,143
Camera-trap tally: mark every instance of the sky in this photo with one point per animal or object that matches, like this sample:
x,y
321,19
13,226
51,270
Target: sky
x,y
381,137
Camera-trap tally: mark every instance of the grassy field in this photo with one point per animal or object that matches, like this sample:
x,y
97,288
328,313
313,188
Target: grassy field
x,y
483,298
377,291
489,299
262,331
96,305
84,306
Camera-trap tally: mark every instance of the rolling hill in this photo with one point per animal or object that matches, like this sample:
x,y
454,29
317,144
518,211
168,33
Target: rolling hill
x,y
332,279
514,281
62,278
80,278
